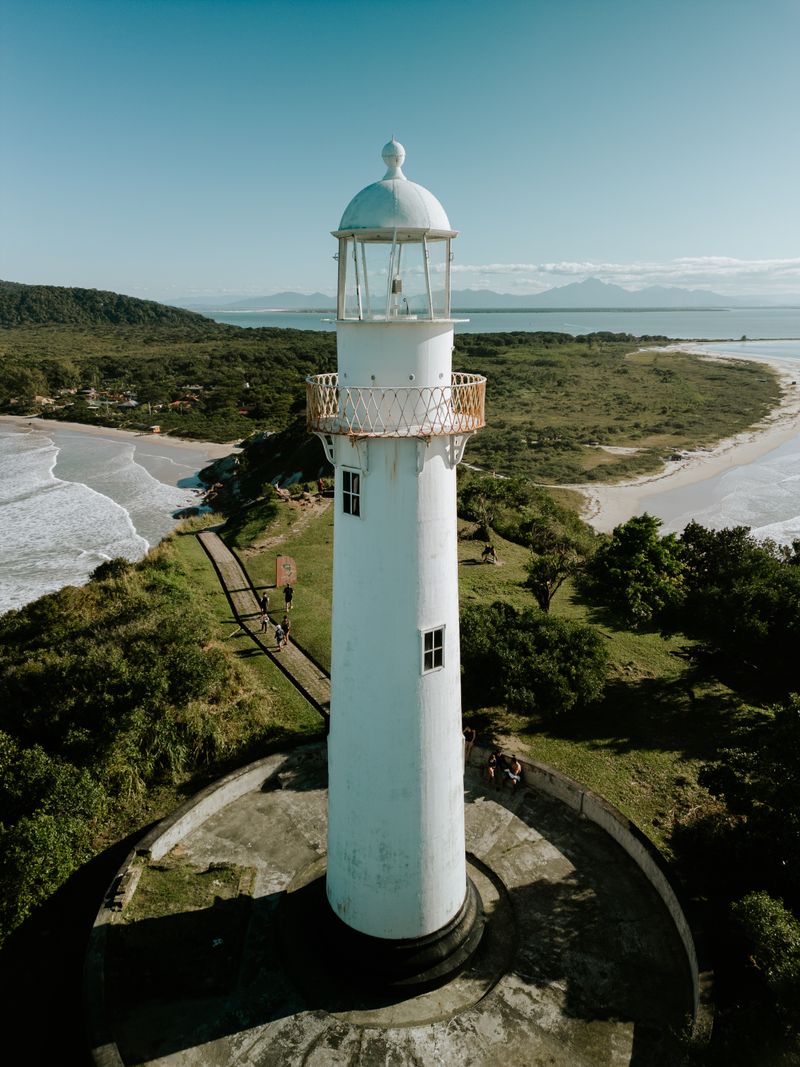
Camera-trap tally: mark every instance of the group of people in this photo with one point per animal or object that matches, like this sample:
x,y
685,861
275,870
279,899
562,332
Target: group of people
x,y
499,771
284,627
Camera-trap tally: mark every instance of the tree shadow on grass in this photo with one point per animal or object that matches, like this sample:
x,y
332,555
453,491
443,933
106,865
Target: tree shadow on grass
x,y
677,715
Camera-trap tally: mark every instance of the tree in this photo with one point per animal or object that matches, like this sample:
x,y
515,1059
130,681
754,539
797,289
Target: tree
x,y
556,554
49,810
638,572
532,662
742,599
483,498
759,778
772,934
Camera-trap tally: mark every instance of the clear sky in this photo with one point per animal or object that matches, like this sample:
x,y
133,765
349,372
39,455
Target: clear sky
x,y
206,148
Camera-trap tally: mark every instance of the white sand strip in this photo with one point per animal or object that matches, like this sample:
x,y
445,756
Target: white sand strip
x,y
609,505
180,453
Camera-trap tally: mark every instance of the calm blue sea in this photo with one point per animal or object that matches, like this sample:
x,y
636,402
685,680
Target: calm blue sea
x,y
732,324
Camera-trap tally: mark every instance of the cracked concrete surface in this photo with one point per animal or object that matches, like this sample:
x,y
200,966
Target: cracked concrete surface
x,y
581,964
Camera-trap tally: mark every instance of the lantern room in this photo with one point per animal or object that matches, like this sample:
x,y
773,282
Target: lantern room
x,y
394,251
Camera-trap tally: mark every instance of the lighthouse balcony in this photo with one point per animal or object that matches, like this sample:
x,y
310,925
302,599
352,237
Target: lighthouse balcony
x,y
380,411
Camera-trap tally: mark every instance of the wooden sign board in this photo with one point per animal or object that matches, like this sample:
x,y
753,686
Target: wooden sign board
x,y
285,571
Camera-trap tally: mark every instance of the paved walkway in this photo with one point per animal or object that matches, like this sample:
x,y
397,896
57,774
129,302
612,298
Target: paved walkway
x,y
580,965
309,677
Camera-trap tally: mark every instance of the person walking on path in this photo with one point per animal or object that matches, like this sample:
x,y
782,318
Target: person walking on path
x,y
263,603
286,627
288,595
264,620
278,637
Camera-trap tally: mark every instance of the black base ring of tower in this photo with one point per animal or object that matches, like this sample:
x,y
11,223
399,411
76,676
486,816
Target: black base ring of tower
x,y
407,965
413,963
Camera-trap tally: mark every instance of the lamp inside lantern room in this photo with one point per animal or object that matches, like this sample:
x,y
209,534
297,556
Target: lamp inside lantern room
x,y
404,275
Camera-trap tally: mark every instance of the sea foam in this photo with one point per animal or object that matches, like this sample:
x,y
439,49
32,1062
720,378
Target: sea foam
x,y
70,501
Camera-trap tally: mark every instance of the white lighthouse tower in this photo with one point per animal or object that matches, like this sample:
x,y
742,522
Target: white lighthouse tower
x,y
394,422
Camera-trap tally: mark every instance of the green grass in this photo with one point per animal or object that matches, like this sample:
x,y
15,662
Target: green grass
x,y
173,888
285,713
184,928
550,405
299,530
247,525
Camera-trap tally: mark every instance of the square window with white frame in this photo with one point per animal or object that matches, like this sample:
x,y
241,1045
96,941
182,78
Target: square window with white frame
x,y
432,649
351,492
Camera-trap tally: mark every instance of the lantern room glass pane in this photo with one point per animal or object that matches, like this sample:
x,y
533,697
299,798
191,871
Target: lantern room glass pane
x,y
387,280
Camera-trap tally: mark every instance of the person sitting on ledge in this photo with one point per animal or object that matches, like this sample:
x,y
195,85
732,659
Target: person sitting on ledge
x,y
513,773
494,767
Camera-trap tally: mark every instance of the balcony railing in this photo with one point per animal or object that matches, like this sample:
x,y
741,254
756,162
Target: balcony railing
x,y
375,411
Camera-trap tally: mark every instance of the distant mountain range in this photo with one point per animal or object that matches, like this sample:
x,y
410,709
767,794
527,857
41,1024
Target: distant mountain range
x,y
591,293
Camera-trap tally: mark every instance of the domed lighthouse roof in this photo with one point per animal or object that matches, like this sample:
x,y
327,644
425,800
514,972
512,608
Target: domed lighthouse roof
x,y
394,206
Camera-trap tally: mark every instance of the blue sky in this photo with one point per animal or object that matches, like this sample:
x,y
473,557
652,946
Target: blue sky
x,y
206,148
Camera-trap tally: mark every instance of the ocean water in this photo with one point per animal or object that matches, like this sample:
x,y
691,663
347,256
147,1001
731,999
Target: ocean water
x,y
764,494
71,500
715,323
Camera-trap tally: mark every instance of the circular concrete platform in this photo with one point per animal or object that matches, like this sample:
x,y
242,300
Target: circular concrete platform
x,y
580,964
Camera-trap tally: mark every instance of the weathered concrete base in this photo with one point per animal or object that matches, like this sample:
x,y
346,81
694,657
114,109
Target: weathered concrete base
x,y
580,963
387,967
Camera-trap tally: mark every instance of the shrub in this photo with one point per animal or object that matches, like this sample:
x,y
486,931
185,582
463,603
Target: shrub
x,y
772,934
532,662
637,572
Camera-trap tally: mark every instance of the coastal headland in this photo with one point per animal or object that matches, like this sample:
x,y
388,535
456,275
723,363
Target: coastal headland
x,y
609,505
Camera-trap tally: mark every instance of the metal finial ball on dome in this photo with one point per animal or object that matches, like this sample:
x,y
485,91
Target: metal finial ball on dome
x,y
393,154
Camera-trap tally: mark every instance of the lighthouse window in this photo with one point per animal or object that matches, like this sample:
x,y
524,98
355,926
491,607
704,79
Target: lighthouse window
x,y
351,492
432,649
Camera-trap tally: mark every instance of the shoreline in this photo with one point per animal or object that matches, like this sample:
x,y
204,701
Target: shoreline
x,y
173,450
609,505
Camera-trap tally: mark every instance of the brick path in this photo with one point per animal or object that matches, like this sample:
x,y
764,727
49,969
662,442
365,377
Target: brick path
x,y
310,679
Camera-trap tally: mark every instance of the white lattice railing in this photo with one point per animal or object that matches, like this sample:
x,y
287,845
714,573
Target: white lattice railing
x,y
374,411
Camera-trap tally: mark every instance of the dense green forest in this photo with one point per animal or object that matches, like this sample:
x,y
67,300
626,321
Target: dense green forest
x,y
42,305
207,381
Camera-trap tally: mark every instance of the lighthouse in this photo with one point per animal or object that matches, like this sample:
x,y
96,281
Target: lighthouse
x,y
394,421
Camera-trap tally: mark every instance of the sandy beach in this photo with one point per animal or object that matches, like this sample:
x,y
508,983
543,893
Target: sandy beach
x,y
179,452
609,505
